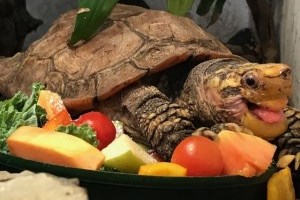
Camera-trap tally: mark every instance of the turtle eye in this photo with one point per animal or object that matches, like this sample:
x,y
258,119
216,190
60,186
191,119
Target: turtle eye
x,y
250,80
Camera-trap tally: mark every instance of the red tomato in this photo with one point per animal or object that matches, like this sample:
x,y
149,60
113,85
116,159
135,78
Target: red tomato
x,y
102,125
199,155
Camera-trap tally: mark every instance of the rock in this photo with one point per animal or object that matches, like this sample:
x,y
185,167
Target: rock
x,y
39,186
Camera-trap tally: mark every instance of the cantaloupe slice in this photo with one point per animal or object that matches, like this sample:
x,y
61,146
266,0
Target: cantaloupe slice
x,y
53,147
244,154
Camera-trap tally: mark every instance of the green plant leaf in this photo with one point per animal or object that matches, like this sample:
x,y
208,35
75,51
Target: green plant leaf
x,y
90,17
83,131
217,12
179,7
18,111
204,7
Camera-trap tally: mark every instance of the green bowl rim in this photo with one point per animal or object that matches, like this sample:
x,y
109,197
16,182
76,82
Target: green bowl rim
x,y
133,180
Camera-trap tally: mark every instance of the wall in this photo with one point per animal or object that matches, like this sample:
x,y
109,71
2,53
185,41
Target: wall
x,y
48,11
288,20
235,16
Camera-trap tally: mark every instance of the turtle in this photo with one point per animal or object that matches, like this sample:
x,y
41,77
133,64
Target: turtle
x,y
161,75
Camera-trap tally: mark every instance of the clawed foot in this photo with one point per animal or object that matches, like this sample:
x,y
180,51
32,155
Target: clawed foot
x,y
206,132
212,132
288,149
217,128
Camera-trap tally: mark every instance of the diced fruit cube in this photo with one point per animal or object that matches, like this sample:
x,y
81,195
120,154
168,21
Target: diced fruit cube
x,y
126,155
62,118
244,154
280,186
51,102
162,169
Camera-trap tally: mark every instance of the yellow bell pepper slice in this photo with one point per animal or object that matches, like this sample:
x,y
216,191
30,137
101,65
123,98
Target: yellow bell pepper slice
x,y
162,169
280,186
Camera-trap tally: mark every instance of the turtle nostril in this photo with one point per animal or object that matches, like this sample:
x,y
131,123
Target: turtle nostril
x,y
285,73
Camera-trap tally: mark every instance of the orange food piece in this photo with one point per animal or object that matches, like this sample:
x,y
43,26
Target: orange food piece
x,y
243,154
62,118
53,147
51,102
162,169
280,186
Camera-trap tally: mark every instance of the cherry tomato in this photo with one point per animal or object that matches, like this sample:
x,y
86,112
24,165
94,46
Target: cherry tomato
x,y
199,155
101,124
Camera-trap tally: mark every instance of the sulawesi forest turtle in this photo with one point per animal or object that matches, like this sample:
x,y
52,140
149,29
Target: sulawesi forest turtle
x,y
161,75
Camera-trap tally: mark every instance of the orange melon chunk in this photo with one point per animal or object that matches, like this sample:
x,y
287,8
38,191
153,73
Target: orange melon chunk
x,y
62,118
244,154
53,147
51,102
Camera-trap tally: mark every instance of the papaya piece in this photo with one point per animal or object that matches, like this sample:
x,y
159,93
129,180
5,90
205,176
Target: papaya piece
x,y
54,147
51,102
244,154
62,118
280,186
162,169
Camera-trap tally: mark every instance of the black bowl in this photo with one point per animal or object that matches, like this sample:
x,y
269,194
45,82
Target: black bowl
x,y
114,185
296,183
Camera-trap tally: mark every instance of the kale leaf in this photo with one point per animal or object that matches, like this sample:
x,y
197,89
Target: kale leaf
x,y
83,131
20,110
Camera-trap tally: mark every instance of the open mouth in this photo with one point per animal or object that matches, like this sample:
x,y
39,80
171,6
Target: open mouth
x,y
268,111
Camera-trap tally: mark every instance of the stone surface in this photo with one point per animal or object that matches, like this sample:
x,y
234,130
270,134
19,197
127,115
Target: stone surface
x,y
39,186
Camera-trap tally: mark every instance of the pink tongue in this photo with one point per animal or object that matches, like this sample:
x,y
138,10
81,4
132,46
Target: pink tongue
x,y
268,116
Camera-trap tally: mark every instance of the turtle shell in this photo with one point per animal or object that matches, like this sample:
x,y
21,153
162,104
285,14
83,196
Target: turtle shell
x,y
134,43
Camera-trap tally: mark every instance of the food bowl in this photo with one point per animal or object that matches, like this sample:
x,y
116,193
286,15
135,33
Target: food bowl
x,y
114,185
296,183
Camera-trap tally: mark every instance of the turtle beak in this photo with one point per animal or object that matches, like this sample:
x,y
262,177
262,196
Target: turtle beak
x,y
273,82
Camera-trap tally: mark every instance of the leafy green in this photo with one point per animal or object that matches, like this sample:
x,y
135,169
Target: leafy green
x,y
83,131
108,169
179,7
90,17
18,111
206,5
217,11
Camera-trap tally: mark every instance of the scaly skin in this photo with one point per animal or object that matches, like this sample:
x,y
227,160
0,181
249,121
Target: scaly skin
x,y
289,142
221,90
216,91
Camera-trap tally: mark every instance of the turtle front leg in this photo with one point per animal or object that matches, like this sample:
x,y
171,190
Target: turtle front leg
x,y
289,142
163,123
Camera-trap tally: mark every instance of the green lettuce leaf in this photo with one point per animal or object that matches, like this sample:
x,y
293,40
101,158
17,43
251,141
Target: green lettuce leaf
x,y
18,111
84,132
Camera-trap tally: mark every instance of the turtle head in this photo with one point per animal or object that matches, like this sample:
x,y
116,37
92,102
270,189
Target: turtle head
x,y
252,95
